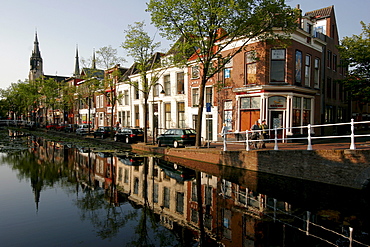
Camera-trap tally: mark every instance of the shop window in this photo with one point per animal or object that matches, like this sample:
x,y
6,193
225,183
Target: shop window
x,y
250,103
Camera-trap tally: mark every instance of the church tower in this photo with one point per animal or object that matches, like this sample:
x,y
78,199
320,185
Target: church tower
x,y
36,70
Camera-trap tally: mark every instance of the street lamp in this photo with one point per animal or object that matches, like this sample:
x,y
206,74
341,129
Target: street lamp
x,y
154,129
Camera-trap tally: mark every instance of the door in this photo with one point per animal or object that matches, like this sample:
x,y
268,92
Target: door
x,y
277,121
248,118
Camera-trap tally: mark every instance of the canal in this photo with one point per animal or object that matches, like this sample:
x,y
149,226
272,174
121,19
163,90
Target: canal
x,y
61,194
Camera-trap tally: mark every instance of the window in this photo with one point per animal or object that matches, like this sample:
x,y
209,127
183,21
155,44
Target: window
x,y
97,102
126,176
167,115
155,193
306,111
335,61
208,195
307,71
277,66
136,186
195,96
298,67
195,118
180,83
136,92
209,95
194,195
250,103
167,85
181,114
180,202
316,78
297,107
228,113
250,67
101,101
166,197
195,72
328,62
227,77
137,116
126,97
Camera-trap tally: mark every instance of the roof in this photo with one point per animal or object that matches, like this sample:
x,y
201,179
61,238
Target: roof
x,y
98,73
321,13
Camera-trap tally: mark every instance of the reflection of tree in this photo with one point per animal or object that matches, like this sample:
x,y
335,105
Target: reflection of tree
x,y
104,216
42,174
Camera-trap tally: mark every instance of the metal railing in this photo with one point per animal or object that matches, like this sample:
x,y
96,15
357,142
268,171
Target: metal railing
x,y
285,138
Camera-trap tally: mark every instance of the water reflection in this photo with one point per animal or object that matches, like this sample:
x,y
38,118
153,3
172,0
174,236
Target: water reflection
x,y
173,204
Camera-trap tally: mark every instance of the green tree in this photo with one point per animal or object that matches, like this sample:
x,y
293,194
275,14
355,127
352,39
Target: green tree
x,y
355,55
211,28
142,48
107,57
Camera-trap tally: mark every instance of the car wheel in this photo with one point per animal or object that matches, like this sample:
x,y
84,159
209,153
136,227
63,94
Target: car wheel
x,y
127,140
175,166
175,144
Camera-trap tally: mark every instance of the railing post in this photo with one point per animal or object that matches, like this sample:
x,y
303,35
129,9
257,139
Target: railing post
x,y
350,236
276,145
246,141
225,148
353,147
309,146
308,223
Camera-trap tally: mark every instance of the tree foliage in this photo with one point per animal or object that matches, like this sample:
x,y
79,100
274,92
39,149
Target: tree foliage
x,y
142,48
355,54
217,30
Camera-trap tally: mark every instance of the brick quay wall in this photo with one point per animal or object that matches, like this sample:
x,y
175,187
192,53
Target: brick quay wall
x,y
347,168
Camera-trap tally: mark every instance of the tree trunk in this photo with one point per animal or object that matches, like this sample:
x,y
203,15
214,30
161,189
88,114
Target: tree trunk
x,y
198,141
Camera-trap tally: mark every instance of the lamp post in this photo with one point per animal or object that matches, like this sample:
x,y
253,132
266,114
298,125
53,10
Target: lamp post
x,y
154,130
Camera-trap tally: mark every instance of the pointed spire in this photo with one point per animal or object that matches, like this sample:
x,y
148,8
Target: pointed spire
x,y
77,64
36,49
93,60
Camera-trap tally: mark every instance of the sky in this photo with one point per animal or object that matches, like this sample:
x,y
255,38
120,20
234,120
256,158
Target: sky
x,y
63,25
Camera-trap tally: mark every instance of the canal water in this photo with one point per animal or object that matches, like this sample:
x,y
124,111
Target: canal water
x,y
55,194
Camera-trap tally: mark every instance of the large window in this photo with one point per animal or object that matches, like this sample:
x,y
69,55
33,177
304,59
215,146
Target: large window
x,y
180,202
328,59
195,97
228,113
227,77
277,66
306,111
166,197
307,71
298,67
250,103
209,95
167,85
167,115
126,97
251,67
180,83
316,78
181,114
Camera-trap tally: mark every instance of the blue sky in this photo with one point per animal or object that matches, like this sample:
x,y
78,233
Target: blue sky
x,y
91,24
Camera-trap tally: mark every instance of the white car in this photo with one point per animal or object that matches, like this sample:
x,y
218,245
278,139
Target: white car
x,y
82,129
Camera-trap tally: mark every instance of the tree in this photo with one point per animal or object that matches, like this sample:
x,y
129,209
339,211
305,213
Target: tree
x,y
107,57
217,30
355,55
141,47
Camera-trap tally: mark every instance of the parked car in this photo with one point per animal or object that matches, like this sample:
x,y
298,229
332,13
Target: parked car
x,y
102,132
175,171
61,127
129,135
51,126
71,128
82,129
177,138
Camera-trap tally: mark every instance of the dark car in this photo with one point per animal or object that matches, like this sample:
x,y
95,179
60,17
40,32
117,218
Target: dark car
x,y
131,159
102,132
175,171
129,135
177,138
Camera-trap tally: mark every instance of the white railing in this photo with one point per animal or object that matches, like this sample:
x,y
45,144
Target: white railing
x,y
310,131
16,123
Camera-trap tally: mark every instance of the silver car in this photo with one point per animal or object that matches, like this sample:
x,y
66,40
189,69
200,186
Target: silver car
x,y
82,129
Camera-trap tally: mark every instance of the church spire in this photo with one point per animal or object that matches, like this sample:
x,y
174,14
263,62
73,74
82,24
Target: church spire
x,y
77,64
36,68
